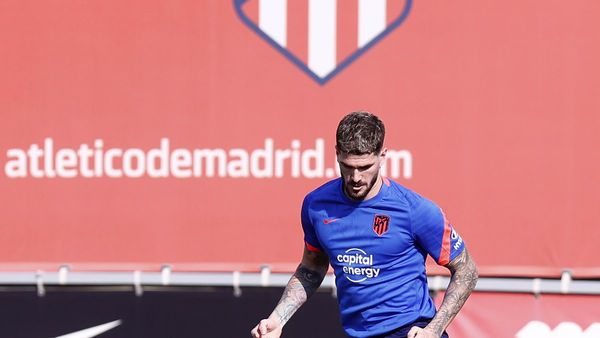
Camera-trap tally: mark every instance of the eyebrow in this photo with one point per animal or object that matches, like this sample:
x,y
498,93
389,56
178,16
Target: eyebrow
x,y
367,166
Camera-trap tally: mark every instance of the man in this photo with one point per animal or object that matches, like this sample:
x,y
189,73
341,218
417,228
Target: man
x,y
376,235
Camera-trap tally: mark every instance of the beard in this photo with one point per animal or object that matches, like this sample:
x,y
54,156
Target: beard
x,y
359,190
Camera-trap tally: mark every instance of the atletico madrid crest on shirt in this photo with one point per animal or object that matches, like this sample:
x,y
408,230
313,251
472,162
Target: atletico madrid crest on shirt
x,y
322,37
381,224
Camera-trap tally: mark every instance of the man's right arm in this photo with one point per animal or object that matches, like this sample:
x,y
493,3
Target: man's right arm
x,y
303,284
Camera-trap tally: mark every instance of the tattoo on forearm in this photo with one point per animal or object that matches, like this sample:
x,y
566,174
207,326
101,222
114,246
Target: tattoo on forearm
x,y
310,279
463,280
301,286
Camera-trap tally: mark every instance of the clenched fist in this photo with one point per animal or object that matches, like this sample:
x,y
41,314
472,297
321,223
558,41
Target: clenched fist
x,y
267,328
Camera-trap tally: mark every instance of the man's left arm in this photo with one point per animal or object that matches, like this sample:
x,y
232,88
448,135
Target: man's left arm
x,y
463,279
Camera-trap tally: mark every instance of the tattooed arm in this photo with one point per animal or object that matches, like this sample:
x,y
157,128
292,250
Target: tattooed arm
x,y
303,284
464,277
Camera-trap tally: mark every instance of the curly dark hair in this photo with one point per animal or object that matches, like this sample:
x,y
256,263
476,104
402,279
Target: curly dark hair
x,y
360,133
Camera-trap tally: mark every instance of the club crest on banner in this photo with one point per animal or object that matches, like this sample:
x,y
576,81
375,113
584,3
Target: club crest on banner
x,y
322,37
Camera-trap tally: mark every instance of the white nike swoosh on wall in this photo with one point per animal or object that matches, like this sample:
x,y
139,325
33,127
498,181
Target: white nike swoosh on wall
x,y
92,331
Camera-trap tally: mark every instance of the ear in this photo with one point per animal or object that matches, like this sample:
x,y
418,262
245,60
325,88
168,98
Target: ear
x,y
382,157
383,152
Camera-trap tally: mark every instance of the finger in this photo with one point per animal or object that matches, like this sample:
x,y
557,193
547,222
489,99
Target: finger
x,y
413,332
262,327
254,332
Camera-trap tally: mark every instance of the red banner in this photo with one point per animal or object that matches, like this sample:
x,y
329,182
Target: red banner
x,y
189,131
526,316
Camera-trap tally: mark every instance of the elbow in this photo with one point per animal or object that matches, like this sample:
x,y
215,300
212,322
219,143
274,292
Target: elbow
x,y
474,275
474,270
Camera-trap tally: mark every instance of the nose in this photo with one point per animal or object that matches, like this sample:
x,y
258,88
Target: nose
x,y
355,176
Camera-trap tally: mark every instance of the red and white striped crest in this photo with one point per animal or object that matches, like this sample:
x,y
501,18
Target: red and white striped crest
x,y
381,224
322,37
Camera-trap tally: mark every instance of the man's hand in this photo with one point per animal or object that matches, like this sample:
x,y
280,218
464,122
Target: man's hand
x,y
417,332
303,283
267,328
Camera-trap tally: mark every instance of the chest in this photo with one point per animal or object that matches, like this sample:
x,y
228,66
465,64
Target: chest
x,y
383,229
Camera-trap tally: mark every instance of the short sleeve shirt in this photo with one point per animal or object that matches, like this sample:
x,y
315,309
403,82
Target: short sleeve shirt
x,y
378,249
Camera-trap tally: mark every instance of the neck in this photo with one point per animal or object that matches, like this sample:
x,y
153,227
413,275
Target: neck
x,y
375,188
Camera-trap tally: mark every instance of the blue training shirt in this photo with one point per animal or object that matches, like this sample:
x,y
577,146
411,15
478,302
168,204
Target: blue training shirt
x,y
377,249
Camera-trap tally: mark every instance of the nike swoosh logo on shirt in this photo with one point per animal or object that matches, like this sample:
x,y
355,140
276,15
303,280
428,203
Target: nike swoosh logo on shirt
x,y
92,331
331,220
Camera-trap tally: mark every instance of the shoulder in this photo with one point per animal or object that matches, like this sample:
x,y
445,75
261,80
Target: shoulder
x,y
328,190
400,192
411,198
